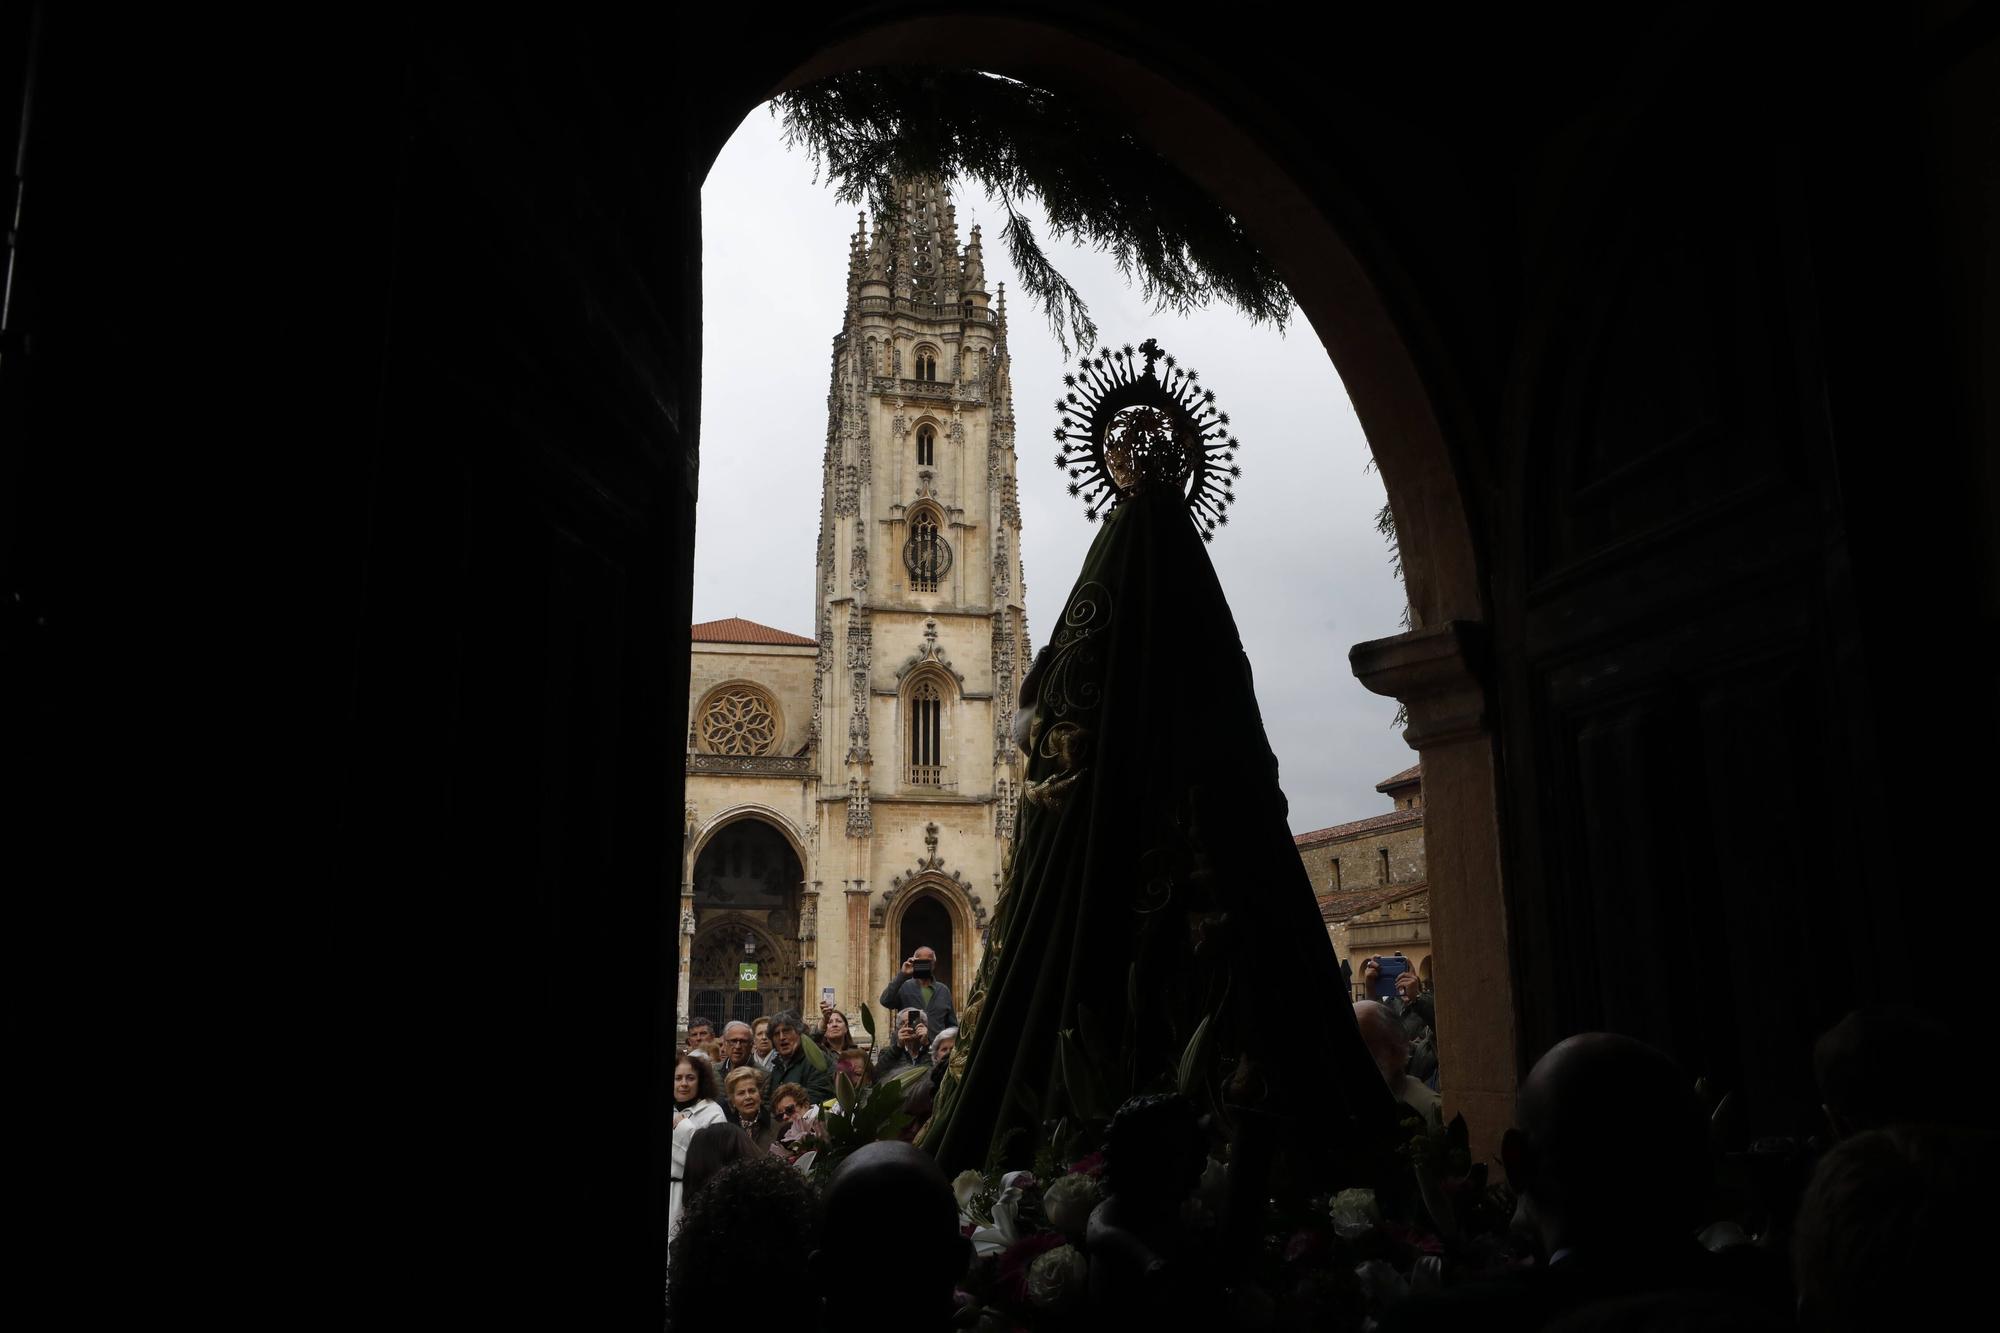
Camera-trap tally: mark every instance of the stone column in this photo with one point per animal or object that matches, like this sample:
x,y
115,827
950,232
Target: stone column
x,y
1437,674
809,942
687,956
857,942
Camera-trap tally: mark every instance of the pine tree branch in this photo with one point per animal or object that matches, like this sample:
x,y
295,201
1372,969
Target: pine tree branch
x,y
1069,318
1097,185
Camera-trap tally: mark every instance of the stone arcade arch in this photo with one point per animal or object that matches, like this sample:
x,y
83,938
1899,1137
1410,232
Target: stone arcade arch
x,y
743,887
927,921
495,470
919,905
1403,409
721,944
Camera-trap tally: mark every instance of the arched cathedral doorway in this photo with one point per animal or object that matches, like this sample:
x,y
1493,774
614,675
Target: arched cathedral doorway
x,y
746,891
928,922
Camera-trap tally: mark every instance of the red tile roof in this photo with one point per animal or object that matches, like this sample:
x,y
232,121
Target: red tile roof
x,y
1414,773
1351,903
735,629
1395,819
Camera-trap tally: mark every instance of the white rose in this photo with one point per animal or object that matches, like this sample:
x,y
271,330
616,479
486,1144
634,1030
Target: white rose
x,y
1058,1279
1354,1213
1068,1202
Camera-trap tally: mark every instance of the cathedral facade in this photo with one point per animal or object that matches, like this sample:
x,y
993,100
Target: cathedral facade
x,y
851,796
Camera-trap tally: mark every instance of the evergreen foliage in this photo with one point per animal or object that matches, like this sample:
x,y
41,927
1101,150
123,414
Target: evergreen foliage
x,y
1097,185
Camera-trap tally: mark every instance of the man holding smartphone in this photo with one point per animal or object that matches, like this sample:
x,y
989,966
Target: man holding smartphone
x,y
1417,1016
918,987
909,1049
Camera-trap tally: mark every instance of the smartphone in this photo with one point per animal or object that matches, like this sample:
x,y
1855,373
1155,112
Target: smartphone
x,y
826,995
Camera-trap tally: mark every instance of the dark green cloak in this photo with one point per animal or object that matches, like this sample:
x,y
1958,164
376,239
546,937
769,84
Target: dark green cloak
x,y
1154,886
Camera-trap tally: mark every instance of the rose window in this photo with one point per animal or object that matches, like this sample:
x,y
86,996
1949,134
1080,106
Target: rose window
x,y
738,720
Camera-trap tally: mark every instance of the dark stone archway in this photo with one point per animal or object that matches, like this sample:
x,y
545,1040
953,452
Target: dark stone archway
x,y
1706,617
721,947
746,902
1370,322
927,921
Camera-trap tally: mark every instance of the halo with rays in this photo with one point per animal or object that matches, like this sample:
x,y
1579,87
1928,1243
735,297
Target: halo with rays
x,y
1128,427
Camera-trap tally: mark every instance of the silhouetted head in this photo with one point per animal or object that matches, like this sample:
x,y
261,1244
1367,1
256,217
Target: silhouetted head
x,y
1608,1148
1884,1226
1876,1068
712,1148
891,1198
754,1216
1154,1150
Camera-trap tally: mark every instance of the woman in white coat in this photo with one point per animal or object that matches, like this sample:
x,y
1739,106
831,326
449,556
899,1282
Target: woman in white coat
x,y
697,1102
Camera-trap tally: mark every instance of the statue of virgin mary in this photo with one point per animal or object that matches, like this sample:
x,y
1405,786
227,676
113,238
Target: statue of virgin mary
x,y
1157,931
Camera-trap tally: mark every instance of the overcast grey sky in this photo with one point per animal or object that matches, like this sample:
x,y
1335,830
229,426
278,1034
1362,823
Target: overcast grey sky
x,y
1306,573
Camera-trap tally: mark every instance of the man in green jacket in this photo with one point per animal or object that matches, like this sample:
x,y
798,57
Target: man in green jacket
x,y
792,1063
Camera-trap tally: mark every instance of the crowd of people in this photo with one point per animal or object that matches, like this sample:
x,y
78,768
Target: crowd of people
x,y
1607,1169
755,1090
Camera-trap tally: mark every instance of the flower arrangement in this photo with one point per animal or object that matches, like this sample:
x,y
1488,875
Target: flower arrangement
x,y
1334,1261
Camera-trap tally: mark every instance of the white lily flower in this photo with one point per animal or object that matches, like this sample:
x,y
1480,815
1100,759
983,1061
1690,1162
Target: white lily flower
x,y
1006,1227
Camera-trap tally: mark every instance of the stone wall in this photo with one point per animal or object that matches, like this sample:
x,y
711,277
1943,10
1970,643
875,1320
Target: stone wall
x,y
1359,849
1371,905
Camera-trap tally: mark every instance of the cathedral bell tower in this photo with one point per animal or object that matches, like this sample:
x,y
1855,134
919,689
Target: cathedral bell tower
x,y
922,629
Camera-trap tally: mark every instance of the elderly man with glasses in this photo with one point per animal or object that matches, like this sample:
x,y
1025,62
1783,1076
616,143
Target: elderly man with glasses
x,y
737,1052
792,1063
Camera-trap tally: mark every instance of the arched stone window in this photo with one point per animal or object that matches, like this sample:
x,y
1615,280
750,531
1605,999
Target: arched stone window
x,y
927,363
737,719
926,555
926,446
926,734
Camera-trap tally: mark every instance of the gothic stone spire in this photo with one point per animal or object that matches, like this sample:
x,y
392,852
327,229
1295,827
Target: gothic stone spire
x,y
920,256
973,266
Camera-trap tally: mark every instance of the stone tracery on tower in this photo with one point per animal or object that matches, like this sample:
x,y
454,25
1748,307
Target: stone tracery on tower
x,y
919,544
